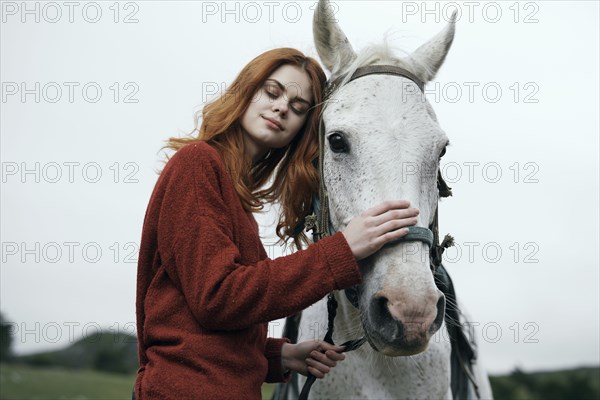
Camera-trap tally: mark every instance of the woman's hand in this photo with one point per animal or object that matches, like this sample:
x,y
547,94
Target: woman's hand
x,y
314,356
383,223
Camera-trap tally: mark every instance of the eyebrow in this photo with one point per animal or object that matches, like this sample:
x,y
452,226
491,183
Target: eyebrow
x,y
300,99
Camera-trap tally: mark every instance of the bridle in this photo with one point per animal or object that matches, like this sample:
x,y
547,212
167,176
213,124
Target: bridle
x,y
321,226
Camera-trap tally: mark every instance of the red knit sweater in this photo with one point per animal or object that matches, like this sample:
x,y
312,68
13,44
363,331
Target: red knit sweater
x,y
206,288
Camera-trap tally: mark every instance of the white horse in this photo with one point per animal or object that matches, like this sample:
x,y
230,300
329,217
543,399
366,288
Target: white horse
x,y
378,128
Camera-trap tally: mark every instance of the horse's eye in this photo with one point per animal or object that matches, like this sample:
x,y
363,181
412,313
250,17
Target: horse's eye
x,y
337,143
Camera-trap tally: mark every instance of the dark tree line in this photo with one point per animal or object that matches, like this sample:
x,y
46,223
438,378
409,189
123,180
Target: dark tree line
x,y
578,384
104,351
5,340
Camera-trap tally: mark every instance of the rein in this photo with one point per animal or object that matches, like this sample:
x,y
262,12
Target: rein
x,y
321,226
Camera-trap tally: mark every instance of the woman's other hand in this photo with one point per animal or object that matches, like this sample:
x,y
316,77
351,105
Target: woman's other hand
x,y
314,356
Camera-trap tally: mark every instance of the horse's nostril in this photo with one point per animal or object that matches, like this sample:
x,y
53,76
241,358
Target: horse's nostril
x,y
380,314
441,304
441,312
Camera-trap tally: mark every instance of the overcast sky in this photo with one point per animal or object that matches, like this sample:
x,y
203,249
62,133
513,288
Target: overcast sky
x,y
90,91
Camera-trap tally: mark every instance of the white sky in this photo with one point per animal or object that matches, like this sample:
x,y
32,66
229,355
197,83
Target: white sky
x,y
537,300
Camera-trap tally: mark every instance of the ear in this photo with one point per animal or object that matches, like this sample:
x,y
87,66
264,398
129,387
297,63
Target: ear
x,y
430,56
332,45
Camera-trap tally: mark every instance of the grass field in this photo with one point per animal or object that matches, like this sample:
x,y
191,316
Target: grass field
x,y
19,382
24,382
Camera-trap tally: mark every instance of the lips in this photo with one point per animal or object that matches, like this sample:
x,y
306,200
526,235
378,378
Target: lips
x,y
274,122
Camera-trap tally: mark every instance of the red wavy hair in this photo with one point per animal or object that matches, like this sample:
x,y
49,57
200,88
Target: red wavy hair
x,y
296,178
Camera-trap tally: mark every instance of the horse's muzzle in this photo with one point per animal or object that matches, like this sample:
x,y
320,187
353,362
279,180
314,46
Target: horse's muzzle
x,y
396,330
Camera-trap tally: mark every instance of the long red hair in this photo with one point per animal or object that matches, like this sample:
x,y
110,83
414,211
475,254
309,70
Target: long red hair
x,y
296,177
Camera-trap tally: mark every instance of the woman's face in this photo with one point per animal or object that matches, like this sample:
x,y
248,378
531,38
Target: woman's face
x,y
278,110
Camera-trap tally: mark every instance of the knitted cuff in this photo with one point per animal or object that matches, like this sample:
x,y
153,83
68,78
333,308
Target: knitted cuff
x,y
275,372
340,260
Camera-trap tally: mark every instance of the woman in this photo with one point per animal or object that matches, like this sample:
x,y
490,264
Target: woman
x,y
206,289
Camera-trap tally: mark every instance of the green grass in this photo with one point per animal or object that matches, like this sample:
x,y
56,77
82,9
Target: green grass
x,y
267,390
19,382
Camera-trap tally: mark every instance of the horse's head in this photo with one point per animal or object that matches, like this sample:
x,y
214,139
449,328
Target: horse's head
x,y
382,142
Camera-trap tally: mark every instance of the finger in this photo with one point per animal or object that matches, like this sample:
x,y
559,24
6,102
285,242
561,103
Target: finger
x,y
385,206
334,355
395,224
322,358
392,215
315,372
311,362
324,346
391,236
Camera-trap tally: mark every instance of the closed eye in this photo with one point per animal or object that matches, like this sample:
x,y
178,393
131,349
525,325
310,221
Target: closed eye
x,y
272,91
299,107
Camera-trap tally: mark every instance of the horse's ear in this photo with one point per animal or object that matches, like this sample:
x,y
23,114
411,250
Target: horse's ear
x,y
332,45
430,56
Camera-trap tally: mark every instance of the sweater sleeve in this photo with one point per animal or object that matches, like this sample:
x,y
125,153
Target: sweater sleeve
x,y
195,233
273,355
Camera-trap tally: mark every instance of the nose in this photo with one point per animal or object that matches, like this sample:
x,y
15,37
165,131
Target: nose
x,y
407,320
280,105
